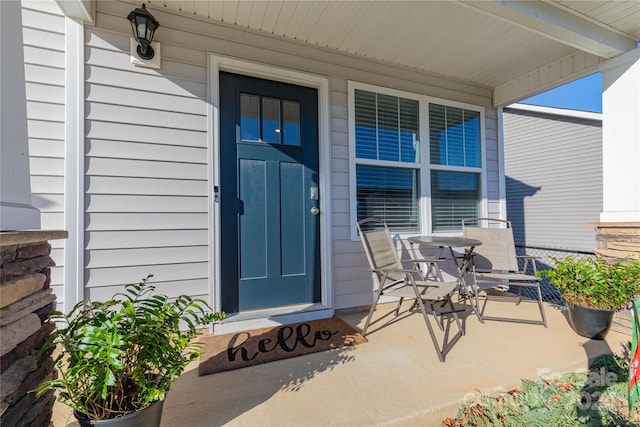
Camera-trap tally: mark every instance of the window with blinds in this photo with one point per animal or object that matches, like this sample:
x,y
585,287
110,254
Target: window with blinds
x,y
386,129
454,140
388,168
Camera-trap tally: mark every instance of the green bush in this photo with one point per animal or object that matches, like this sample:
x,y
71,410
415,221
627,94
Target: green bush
x,y
594,398
593,282
121,355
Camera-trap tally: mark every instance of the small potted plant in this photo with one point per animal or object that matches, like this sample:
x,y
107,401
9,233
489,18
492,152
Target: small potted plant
x,y
119,357
593,289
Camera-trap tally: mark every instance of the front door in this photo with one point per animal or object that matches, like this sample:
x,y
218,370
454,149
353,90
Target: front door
x,y
269,199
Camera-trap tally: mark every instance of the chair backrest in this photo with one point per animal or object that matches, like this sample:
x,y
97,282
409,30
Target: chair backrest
x,y
498,250
379,246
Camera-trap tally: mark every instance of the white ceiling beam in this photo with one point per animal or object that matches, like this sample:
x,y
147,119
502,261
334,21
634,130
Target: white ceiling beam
x,y
564,70
558,24
82,10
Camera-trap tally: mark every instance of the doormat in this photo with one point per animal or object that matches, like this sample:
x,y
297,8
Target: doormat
x,y
248,348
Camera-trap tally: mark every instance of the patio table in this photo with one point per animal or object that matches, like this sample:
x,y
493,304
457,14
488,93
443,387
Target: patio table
x,y
461,262
443,242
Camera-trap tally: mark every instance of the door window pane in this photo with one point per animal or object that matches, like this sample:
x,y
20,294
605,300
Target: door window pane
x,y
454,197
390,194
249,117
291,125
271,120
454,135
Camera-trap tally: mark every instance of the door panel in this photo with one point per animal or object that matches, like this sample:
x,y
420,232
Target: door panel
x,y
268,166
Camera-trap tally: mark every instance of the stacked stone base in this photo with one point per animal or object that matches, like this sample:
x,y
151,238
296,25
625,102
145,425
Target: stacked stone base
x,y
618,242
25,302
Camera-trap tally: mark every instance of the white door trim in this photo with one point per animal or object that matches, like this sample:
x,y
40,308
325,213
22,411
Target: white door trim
x,y
219,63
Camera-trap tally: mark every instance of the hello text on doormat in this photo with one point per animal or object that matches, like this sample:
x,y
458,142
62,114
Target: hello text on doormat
x,y
248,348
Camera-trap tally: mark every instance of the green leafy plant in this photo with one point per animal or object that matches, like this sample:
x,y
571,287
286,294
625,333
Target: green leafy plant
x,y
593,282
594,398
121,355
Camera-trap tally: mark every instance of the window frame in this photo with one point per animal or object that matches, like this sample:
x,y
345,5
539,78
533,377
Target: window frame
x,y
424,167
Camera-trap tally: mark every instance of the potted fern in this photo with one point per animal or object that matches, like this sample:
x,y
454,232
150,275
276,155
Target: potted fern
x,y
593,289
119,357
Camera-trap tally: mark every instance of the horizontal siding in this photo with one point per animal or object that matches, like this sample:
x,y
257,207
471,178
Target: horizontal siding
x,y
114,277
197,288
553,167
148,186
43,37
157,152
146,160
141,238
127,221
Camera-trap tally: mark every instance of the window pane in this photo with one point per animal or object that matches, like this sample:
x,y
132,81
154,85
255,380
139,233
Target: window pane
x,y
472,133
454,135
390,194
291,112
386,127
454,197
366,125
271,120
249,117
409,147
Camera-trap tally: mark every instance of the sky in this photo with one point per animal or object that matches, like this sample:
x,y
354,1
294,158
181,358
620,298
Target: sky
x,y
584,94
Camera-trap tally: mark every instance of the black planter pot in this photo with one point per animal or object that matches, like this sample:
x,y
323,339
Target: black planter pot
x,y
590,322
147,417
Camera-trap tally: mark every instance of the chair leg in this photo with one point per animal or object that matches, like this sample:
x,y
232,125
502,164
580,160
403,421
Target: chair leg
x,y
398,306
368,321
431,333
435,316
541,305
472,298
455,315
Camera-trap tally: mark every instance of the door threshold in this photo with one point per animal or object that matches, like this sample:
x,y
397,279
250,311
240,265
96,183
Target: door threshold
x,y
256,319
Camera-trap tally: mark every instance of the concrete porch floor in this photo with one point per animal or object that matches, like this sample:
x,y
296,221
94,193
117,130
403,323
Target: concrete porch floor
x,y
393,380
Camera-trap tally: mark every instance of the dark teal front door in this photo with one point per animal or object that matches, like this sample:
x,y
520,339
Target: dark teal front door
x,y
269,199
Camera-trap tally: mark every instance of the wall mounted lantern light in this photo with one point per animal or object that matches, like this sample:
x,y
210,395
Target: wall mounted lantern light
x,y
144,25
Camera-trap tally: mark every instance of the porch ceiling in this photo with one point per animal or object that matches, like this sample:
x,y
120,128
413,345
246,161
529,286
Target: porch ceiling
x,y
517,48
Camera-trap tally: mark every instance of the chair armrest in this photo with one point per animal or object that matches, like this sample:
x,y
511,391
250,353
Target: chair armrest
x,y
417,260
526,259
394,270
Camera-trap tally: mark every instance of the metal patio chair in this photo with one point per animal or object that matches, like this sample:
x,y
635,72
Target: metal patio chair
x,y
393,279
495,269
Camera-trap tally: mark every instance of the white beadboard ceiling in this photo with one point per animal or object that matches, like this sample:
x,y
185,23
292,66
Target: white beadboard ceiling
x,y
513,47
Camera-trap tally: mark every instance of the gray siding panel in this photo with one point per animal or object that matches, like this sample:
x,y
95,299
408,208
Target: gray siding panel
x,y
553,168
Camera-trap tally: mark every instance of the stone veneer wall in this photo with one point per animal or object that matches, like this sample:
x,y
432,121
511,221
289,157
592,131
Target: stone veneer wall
x,y
618,241
25,301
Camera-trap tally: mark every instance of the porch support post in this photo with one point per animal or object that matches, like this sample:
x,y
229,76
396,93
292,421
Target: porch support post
x,y
621,138
16,210
618,232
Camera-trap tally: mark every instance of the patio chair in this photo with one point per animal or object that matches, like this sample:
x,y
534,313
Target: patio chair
x,y
495,269
393,279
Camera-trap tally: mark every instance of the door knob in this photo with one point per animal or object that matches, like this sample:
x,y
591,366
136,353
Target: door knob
x,y
315,211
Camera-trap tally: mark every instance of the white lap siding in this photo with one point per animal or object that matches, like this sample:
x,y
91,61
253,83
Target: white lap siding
x,y
43,35
146,163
